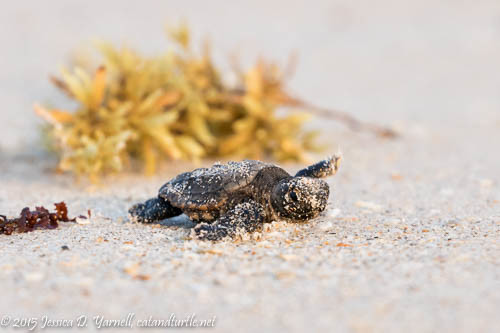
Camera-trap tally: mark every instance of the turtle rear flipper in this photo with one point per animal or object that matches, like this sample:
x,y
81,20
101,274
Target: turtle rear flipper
x,y
247,216
153,210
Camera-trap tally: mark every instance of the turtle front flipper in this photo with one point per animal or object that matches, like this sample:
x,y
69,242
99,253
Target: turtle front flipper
x,y
321,169
153,210
247,216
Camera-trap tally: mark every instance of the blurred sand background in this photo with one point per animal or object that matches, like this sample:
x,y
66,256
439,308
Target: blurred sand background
x,y
421,214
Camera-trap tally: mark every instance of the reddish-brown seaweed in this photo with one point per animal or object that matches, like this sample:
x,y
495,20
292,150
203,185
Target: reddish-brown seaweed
x,y
30,220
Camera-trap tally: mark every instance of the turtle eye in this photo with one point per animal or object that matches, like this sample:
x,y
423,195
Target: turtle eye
x,y
293,195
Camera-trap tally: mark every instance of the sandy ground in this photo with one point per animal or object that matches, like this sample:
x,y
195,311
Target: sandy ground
x,y
410,241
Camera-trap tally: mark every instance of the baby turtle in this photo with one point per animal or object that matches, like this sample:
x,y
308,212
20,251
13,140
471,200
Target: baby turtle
x,y
229,199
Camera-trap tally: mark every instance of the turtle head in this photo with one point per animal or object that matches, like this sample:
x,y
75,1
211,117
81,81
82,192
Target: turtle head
x,y
300,198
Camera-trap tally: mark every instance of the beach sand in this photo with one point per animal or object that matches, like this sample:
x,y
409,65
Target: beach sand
x,y
410,241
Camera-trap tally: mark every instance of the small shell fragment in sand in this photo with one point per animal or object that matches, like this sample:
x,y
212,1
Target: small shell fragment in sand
x,y
210,251
396,176
82,220
133,269
485,183
284,275
334,212
325,226
34,276
288,257
369,205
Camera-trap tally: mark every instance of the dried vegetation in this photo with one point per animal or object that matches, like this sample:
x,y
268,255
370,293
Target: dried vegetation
x,y
172,106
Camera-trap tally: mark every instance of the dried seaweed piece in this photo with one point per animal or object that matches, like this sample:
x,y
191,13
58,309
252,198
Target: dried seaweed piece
x,y
272,80
176,106
40,218
62,212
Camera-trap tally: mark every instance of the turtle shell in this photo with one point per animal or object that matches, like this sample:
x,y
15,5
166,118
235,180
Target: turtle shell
x,y
210,188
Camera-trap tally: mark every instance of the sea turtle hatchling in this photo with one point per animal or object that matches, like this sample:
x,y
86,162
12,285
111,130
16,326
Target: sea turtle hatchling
x,y
229,199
